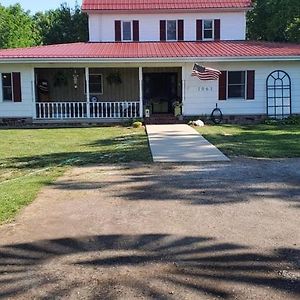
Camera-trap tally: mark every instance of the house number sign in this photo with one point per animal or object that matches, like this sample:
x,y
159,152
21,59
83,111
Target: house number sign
x,y
205,89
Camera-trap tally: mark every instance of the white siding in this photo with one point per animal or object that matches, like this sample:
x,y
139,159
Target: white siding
x,y
102,27
26,107
198,102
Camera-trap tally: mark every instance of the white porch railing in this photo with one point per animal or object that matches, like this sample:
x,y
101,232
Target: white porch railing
x,y
84,110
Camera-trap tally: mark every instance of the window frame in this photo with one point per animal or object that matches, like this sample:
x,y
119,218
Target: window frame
x,y
212,29
122,30
176,31
11,86
102,82
245,85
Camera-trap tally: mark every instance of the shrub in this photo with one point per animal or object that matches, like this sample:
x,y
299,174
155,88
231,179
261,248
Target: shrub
x,y
291,120
137,124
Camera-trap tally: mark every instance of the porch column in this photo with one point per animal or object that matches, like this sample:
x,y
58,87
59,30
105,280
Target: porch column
x,y
87,81
183,87
141,92
33,91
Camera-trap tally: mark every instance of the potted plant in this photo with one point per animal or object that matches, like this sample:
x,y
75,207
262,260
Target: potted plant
x,y
177,106
114,78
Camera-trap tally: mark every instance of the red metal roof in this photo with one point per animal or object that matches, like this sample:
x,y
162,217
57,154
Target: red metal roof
x,y
163,4
145,50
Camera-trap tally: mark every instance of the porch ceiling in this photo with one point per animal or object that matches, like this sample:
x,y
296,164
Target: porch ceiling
x,y
155,50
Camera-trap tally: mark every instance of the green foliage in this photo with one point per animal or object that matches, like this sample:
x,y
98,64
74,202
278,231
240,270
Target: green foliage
x,y
137,124
17,28
292,120
62,25
275,20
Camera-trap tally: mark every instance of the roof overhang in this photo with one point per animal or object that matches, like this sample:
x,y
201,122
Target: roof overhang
x,y
218,51
148,60
154,11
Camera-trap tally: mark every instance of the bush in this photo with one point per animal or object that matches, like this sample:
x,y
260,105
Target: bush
x,y
291,120
137,124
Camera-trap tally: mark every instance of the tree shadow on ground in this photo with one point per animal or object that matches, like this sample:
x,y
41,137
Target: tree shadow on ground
x,y
199,184
156,266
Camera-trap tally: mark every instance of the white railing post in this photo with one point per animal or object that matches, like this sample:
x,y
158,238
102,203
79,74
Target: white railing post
x,y
87,83
141,92
76,110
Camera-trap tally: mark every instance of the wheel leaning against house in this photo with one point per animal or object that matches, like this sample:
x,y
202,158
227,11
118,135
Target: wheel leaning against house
x,y
216,116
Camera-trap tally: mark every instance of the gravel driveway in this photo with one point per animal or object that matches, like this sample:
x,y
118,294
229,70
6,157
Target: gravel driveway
x,y
165,231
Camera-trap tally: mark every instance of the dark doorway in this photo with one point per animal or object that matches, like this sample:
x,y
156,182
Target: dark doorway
x,y
160,91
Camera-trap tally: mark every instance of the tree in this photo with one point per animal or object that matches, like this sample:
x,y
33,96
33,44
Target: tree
x,y
62,25
17,28
275,20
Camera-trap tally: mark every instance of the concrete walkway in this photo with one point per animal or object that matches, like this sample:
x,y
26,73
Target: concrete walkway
x,y
181,143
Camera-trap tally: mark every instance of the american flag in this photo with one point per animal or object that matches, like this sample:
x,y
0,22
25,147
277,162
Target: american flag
x,y
204,73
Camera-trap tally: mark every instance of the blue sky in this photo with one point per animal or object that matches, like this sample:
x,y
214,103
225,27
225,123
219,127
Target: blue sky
x,y
34,5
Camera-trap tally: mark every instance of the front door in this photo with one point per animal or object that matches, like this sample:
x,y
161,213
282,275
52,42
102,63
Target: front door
x,y
160,91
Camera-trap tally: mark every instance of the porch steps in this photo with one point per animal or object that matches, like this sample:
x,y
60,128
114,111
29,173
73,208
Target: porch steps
x,y
161,119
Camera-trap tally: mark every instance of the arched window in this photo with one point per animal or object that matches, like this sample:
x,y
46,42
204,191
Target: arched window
x,y
279,95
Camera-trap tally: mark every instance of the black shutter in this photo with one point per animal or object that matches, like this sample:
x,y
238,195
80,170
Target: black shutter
x,y
250,85
118,31
17,90
223,86
136,31
217,29
199,30
163,30
180,30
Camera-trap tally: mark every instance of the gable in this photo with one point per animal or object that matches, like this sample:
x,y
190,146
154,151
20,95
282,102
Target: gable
x,y
142,5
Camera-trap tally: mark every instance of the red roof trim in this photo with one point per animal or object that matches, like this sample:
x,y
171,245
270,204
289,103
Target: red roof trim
x,y
163,4
145,50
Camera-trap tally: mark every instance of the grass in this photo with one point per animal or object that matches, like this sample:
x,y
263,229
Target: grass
x,y
33,158
266,141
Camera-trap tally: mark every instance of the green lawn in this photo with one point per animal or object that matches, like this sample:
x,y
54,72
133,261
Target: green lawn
x,y
269,141
33,158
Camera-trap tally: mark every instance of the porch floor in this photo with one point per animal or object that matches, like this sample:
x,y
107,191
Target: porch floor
x,y
181,143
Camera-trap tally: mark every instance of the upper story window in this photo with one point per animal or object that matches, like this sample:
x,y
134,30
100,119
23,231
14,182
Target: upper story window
x,y
171,30
208,29
237,84
7,90
127,31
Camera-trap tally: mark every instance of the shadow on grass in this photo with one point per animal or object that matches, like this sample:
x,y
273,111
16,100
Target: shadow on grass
x,y
258,143
151,265
116,150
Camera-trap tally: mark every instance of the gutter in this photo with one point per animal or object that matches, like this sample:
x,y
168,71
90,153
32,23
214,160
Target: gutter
x,y
150,59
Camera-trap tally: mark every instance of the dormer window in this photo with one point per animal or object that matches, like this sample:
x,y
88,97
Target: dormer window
x,y
126,31
208,29
171,30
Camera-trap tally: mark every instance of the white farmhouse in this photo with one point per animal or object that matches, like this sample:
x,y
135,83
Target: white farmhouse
x,y
140,57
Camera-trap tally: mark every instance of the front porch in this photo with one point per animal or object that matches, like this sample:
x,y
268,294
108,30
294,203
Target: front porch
x,y
68,94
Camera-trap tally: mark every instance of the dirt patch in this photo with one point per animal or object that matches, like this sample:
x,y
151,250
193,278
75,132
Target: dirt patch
x,y
165,231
